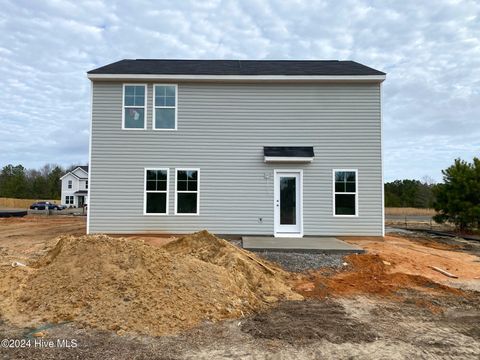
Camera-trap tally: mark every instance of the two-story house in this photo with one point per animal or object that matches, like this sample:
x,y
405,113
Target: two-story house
x,y
75,187
284,148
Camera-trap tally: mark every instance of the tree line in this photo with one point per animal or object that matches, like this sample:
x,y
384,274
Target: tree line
x,y
21,183
410,193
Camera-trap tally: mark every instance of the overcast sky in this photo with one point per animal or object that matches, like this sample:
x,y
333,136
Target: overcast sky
x,y
430,50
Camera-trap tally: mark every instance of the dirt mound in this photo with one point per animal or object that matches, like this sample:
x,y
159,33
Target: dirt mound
x,y
367,275
258,275
126,285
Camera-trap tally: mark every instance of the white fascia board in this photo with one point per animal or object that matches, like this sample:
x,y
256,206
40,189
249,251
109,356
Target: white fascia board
x,y
70,173
368,78
287,159
78,167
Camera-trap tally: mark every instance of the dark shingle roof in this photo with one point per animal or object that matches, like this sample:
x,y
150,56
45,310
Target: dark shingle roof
x,y
84,168
236,67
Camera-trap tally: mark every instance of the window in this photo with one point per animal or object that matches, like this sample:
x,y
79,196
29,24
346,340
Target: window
x,y
345,193
156,191
165,107
86,184
68,200
69,184
134,101
187,183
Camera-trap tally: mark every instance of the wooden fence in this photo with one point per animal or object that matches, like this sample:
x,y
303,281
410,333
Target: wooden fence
x,y
10,203
406,211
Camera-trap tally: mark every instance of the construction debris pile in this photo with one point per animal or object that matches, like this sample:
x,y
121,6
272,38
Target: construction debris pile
x,y
127,285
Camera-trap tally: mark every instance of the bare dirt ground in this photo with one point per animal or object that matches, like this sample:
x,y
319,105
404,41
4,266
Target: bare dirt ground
x,y
387,304
25,237
417,254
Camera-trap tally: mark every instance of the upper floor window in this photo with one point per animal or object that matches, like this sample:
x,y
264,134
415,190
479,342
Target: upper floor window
x,y
345,192
165,107
69,184
134,106
86,184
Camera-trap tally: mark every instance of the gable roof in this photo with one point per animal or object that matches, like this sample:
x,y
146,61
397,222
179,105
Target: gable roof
x,y
84,168
241,68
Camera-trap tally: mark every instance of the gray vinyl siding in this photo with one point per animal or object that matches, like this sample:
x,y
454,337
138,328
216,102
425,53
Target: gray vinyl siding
x,y
222,128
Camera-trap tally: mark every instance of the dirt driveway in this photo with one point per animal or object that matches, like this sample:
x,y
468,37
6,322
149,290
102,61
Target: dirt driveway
x,y
341,318
22,238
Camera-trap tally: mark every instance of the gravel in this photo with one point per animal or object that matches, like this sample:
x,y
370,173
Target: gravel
x,y
298,262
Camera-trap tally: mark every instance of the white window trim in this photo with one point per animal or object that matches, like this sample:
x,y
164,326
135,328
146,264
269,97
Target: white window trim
x,y
351,193
70,184
197,192
164,107
155,191
135,106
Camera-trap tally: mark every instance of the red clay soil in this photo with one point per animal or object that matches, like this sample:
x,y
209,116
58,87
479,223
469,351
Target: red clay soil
x,y
368,275
410,256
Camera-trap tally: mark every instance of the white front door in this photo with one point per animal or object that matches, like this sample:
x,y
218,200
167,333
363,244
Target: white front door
x,y
288,203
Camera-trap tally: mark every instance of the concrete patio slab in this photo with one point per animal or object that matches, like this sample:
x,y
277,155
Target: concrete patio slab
x,y
317,244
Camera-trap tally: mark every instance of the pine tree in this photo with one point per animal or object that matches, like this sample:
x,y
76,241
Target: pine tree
x,y
458,198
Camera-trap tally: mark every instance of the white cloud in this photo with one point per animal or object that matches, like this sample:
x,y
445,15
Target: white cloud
x,y
431,54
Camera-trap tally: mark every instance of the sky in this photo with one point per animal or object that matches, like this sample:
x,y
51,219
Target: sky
x,y
430,51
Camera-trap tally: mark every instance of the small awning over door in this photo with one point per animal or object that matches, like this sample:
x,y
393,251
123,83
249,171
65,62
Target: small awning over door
x,y
288,154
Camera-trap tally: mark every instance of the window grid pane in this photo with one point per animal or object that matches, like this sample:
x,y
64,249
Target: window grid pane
x,y
345,182
164,118
165,96
187,203
156,202
134,117
345,204
187,180
157,180
134,95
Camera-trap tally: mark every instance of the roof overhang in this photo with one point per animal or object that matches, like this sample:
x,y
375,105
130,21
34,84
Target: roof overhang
x,y
240,78
288,154
79,167
70,173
